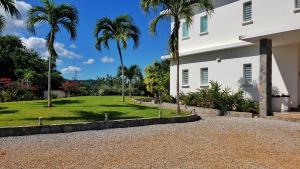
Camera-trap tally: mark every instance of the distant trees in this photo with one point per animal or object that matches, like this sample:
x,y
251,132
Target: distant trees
x,y
57,17
22,71
133,76
121,29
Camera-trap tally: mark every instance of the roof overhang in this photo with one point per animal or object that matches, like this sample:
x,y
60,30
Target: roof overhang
x,y
279,36
211,49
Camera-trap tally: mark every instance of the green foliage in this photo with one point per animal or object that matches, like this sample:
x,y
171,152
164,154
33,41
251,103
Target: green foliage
x,y
133,80
110,85
157,78
217,98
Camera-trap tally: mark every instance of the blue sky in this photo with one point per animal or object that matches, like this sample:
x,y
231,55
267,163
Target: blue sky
x,y
75,54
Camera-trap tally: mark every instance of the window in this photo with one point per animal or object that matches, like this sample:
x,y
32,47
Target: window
x,y
185,77
247,11
203,24
204,76
247,74
185,30
297,4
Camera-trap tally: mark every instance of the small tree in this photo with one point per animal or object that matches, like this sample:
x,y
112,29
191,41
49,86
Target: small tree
x,y
56,16
121,29
157,79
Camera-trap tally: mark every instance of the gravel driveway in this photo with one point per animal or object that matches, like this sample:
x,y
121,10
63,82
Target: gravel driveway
x,y
210,143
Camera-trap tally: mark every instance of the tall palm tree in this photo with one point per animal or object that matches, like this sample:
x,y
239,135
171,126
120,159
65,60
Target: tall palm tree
x,y
57,17
121,29
9,7
132,73
175,10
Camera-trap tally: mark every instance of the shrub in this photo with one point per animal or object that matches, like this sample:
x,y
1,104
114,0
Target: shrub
x,y
217,98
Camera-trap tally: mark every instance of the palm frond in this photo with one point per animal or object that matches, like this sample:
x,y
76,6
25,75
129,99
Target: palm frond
x,y
9,7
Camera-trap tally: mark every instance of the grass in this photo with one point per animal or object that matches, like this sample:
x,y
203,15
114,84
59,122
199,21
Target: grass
x,y
73,110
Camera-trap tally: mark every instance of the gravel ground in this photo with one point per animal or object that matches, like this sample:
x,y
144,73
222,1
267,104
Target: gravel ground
x,y
210,143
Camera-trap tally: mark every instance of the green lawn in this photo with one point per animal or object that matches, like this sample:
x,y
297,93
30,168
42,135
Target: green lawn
x,y
72,110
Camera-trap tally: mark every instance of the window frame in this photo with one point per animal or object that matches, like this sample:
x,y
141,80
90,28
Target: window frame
x,y
185,85
250,21
202,84
296,8
200,31
188,32
247,82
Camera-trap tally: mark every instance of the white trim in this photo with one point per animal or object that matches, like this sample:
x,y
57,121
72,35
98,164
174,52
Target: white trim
x,y
203,33
211,49
247,22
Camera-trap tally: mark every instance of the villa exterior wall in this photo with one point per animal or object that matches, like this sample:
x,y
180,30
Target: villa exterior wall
x,y
226,23
229,70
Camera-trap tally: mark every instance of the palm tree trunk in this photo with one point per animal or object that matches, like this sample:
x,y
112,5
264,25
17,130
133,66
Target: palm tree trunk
x,y
50,45
123,77
176,56
129,89
49,81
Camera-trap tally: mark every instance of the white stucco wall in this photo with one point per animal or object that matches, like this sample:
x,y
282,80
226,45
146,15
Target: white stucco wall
x,y
229,72
226,23
285,70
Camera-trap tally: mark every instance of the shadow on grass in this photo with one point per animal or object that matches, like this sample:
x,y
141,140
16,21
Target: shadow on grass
x,y
60,102
134,106
8,111
89,116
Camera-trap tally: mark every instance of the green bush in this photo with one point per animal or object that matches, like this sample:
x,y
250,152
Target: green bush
x,y
217,98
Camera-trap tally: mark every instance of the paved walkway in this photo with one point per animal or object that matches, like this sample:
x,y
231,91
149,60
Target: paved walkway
x,y
218,142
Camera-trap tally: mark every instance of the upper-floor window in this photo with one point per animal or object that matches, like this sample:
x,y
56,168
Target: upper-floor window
x,y
247,74
297,3
185,30
203,24
247,11
185,77
204,76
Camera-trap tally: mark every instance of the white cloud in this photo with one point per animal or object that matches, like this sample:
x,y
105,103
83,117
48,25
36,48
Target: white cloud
x,y
107,59
59,61
70,69
39,45
13,25
73,46
89,62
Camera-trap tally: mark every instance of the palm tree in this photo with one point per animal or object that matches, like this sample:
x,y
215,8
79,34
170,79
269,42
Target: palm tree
x,y
9,7
57,17
175,10
133,73
121,29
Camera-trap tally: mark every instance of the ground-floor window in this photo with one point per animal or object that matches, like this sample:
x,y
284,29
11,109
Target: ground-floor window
x,y
185,77
204,76
247,74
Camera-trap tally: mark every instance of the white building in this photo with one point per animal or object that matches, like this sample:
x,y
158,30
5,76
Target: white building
x,y
243,44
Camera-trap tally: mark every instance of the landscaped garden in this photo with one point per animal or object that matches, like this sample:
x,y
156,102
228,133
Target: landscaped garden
x,y
75,109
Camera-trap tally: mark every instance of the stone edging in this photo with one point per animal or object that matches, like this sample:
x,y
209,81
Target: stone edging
x,y
65,128
203,112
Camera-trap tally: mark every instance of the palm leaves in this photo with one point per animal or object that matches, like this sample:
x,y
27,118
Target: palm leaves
x,y
121,29
175,10
10,8
57,17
